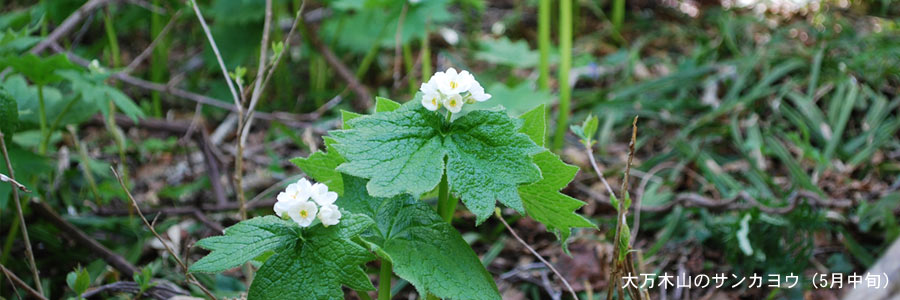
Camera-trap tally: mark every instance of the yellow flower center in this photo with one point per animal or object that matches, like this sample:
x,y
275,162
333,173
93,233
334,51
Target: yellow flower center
x,y
304,213
434,101
453,102
453,84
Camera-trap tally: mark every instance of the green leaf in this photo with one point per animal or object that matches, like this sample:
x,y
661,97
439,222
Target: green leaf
x,y
79,280
516,99
41,71
487,159
586,130
400,151
244,241
546,204
425,250
316,267
403,151
347,116
535,124
542,199
624,241
94,89
9,114
502,51
384,104
321,166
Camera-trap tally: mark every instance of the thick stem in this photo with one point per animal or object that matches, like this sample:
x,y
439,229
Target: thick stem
x,y
426,55
15,192
618,14
565,63
384,280
544,44
446,204
42,116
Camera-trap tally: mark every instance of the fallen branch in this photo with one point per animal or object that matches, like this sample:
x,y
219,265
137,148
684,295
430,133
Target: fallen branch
x,y
162,290
536,254
190,277
67,25
113,259
15,192
363,97
15,279
293,120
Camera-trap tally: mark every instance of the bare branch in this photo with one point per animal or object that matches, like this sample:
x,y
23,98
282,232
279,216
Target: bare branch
x,y
21,215
184,267
162,34
212,43
15,279
67,25
536,254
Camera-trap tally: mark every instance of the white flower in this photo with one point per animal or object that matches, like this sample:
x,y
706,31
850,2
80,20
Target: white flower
x,y
476,92
432,101
293,194
431,98
454,103
329,215
451,90
322,196
295,202
450,82
303,213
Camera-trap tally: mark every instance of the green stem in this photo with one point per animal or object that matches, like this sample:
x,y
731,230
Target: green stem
x,y
157,60
65,110
371,54
384,280
565,63
544,44
426,55
45,135
408,61
618,14
446,204
363,295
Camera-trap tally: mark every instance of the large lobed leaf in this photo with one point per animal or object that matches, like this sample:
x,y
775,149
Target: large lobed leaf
x,y
244,241
404,151
316,267
425,250
543,201
400,151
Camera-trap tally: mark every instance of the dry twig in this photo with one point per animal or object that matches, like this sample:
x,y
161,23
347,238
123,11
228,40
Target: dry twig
x,y
15,279
536,254
184,268
21,215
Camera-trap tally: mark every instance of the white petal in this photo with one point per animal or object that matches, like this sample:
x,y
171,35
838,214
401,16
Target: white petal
x,y
319,188
477,92
453,103
303,184
329,215
431,101
326,198
306,208
428,87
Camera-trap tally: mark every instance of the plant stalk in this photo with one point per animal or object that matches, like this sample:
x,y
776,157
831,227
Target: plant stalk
x,y
21,215
544,44
42,116
446,204
384,280
565,63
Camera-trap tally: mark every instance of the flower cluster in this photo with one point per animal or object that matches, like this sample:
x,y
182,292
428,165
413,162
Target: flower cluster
x,y
451,90
294,201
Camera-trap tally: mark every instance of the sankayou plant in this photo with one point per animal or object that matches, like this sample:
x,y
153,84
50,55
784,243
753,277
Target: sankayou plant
x,y
367,202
